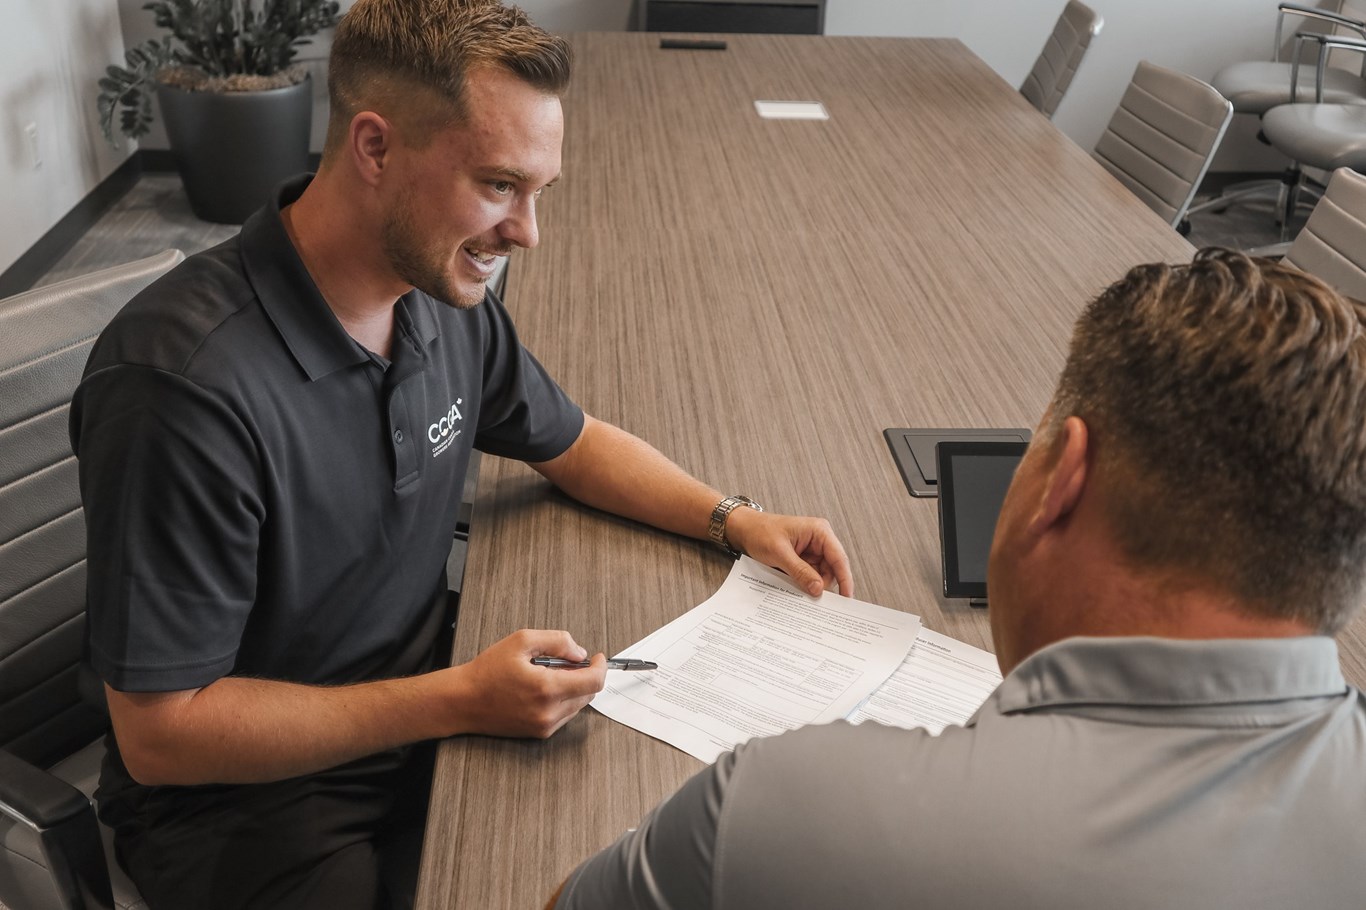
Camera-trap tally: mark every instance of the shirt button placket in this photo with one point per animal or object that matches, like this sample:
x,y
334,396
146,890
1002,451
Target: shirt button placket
x,y
405,456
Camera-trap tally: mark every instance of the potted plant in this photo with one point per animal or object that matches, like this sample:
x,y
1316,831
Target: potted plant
x,y
237,109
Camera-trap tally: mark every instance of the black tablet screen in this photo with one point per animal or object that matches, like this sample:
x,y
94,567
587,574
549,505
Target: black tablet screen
x,y
973,478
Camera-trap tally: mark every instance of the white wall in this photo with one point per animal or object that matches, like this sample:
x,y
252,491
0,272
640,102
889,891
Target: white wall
x,y
51,54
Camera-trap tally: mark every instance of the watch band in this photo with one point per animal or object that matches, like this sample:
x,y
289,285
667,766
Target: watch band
x,y
716,529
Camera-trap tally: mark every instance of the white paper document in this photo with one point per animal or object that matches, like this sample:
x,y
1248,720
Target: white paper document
x,y
941,682
756,658
791,110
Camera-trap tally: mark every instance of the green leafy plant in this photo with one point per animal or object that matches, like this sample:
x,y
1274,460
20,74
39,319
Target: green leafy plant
x,y
213,45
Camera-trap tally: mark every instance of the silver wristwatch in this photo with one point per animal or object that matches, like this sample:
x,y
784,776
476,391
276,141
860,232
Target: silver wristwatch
x,y
716,529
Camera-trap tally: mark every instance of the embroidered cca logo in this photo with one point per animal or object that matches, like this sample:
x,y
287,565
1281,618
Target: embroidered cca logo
x,y
444,426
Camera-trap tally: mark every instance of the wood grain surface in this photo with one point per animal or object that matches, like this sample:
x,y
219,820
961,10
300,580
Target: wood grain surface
x,y
759,299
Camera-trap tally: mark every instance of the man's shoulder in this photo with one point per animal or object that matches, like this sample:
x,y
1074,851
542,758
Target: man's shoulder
x,y
806,759
811,746
168,323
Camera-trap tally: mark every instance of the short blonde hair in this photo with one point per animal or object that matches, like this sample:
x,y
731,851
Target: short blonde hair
x,y
408,60
1227,399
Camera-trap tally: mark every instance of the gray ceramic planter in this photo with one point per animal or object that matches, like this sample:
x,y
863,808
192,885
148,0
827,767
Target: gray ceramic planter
x,y
232,148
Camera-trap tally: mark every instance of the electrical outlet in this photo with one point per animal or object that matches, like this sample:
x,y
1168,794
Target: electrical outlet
x,y
35,157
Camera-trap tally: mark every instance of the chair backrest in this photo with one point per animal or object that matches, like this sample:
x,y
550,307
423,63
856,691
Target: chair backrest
x,y
1351,61
1162,137
1047,82
1332,244
45,339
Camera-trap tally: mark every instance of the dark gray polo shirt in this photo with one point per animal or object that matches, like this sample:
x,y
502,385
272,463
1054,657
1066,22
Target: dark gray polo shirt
x,y
266,498
1116,773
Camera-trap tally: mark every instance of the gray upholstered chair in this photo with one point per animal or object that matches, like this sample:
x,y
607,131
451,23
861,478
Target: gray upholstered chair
x,y
54,854
1257,86
1162,137
1324,135
1062,53
1332,245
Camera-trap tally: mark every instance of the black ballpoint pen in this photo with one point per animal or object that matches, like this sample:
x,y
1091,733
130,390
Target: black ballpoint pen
x,y
613,663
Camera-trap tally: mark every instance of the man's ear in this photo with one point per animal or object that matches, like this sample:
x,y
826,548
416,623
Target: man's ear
x,y
1065,478
371,140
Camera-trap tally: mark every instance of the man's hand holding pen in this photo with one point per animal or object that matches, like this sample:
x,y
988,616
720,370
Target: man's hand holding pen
x,y
502,693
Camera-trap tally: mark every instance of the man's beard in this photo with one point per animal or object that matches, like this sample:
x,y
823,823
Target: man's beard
x,y
422,266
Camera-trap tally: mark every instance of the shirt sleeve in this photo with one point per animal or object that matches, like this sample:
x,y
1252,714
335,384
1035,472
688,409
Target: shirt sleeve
x,y
667,862
169,482
524,413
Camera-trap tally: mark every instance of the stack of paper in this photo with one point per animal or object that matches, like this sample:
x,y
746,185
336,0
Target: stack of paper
x,y
760,656
941,682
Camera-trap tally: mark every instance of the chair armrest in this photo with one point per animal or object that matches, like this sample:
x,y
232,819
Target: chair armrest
x,y
1313,12
1310,12
64,822
1330,41
32,797
1326,43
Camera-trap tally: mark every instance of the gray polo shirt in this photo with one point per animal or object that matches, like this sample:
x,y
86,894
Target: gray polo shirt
x,y
1116,773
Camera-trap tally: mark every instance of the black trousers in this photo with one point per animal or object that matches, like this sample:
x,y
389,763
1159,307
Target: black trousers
x,y
346,839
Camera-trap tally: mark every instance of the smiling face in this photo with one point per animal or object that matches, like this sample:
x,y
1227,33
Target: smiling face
x,y
469,194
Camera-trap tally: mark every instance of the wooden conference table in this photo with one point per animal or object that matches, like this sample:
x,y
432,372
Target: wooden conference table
x,y
759,299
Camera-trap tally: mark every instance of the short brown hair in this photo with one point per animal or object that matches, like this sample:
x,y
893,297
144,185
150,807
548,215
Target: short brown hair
x,y
409,58
1227,399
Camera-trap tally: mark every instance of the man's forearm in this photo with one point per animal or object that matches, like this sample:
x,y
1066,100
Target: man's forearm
x,y
251,730
238,730
610,469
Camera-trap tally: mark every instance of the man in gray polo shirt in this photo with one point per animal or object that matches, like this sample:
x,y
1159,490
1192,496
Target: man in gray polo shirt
x,y
1185,532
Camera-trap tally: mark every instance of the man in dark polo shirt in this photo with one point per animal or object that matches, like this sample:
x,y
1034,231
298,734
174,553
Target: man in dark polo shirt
x,y
272,444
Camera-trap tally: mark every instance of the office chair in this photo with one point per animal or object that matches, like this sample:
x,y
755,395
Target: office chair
x,y
1332,245
52,716
1162,137
1257,86
1062,53
1321,135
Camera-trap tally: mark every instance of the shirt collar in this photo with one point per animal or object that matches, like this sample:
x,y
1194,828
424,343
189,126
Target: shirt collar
x,y
1169,672
417,318
293,303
